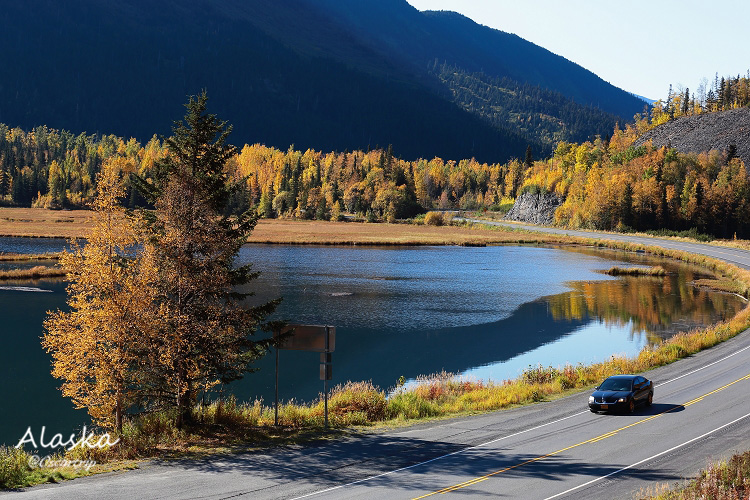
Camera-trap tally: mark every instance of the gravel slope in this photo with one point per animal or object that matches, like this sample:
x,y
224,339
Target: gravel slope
x,y
696,134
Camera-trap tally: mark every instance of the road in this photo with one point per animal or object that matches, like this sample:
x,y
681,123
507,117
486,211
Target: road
x,y
548,450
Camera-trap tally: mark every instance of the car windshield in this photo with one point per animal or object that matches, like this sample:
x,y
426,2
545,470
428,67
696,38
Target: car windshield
x,y
614,384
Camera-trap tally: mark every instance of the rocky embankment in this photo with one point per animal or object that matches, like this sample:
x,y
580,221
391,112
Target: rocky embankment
x,y
700,133
535,208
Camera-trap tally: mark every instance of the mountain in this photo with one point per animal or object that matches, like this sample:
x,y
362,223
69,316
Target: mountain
x,y
326,74
417,39
645,99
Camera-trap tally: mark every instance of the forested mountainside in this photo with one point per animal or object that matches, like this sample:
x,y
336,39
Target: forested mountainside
x,y
534,111
317,74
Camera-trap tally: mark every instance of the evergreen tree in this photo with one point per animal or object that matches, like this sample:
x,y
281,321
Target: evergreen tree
x,y
529,157
626,206
202,334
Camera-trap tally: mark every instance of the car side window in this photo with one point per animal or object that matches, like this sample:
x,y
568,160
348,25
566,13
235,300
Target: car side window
x,y
639,381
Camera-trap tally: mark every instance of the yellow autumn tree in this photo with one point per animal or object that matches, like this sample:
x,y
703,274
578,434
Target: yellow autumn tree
x,y
92,345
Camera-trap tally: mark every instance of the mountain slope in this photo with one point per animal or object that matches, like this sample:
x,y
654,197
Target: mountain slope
x,y
315,73
417,39
705,132
126,68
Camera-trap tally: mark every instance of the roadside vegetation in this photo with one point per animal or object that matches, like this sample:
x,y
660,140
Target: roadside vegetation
x,y
728,480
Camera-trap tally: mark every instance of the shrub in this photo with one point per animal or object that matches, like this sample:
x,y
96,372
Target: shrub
x,y
434,219
358,397
14,467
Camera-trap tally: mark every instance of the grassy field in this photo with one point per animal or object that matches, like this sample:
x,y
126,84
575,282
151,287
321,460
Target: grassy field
x,y
38,222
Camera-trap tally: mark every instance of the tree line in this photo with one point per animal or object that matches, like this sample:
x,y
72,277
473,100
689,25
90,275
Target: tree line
x,y
721,94
56,169
613,185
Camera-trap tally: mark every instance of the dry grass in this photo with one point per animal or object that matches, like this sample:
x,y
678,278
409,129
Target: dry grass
x,y
296,232
39,222
636,271
35,272
20,257
728,480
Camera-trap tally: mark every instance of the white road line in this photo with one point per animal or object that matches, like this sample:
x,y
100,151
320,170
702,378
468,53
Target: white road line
x,y
647,459
506,437
704,367
437,458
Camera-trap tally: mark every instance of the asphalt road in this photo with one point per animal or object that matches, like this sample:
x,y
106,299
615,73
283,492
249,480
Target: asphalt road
x,y
547,450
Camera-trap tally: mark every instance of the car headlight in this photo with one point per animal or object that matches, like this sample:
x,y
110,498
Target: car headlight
x,y
591,399
621,400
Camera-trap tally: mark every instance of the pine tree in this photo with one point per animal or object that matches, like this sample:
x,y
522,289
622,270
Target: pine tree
x,y
202,335
529,157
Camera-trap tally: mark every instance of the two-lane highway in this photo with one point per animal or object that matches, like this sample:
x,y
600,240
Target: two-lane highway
x,y
548,450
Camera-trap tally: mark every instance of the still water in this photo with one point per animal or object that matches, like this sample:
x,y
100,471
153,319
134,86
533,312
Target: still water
x,y
485,313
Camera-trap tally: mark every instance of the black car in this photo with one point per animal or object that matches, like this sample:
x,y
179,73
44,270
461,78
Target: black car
x,y
622,393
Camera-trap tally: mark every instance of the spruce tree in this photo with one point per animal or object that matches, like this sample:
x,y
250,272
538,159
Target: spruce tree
x,y
202,334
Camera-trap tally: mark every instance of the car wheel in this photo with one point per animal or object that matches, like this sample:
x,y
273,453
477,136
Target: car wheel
x,y
631,406
650,399
592,410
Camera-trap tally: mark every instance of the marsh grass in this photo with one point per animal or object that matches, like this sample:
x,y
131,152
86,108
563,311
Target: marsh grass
x,y
721,285
636,271
35,272
13,257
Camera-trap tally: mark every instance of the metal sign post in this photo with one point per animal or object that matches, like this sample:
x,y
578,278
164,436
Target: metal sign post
x,y
325,379
316,338
276,405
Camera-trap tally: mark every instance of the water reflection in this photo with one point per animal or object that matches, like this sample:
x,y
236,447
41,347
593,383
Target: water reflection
x,y
657,306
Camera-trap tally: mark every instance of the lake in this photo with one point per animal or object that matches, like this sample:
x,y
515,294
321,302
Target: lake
x,y
485,313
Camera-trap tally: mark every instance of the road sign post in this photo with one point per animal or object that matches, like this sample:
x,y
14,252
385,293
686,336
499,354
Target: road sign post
x,y
316,338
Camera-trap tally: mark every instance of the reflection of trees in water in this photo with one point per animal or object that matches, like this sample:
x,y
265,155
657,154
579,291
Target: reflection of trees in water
x,y
660,307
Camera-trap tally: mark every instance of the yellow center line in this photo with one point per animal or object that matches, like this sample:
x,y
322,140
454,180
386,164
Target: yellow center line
x,y
588,441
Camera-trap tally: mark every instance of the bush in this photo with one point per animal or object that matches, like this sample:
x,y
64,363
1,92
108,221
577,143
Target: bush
x,y
358,397
14,467
434,219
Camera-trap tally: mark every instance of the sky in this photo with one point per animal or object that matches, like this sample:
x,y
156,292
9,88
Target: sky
x,y
639,46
